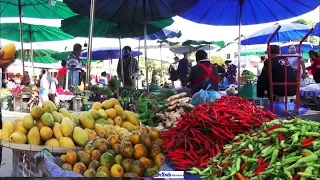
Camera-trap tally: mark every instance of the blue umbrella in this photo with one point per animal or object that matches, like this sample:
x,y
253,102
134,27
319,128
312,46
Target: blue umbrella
x,y
106,53
246,12
316,31
162,35
287,32
131,10
306,47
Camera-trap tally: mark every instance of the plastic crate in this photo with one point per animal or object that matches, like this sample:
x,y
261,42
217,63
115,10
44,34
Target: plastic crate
x,y
262,102
25,164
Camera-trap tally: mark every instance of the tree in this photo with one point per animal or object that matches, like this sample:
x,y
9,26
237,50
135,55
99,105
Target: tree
x,y
312,39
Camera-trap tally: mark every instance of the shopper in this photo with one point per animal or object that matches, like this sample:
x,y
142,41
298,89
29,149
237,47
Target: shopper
x,y
26,79
231,71
74,65
203,74
293,61
315,65
45,87
174,75
62,74
3,65
103,78
183,70
130,68
278,76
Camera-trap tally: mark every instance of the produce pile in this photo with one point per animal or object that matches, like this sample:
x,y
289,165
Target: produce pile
x,y
201,134
148,105
175,106
135,155
56,127
281,149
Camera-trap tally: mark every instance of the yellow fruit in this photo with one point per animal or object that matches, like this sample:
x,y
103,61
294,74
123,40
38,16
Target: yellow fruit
x,y
91,134
50,104
36,112
57,116
7,130
111,113
129,126
52,142
110,121
0,134
46,133
132,117
47,119
28,121
123,132
87,120
76,118
154,133
96,106
71,157
34,136
116,171
80,137
66,127
39,124
57,131
119,110
99,128
47,109
16,138
66,113
66,142
8,50
24,136
107,104
18,126
118,121
135,137
94,114
103,114
159,159
114,101
108,127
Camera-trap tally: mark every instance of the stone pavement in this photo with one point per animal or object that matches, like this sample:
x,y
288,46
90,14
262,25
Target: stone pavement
x,y
6,164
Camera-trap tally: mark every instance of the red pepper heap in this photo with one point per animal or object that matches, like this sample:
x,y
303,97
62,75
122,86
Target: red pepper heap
x,y
200,134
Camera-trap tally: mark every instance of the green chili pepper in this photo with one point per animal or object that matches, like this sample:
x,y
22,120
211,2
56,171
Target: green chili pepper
x,y
292,159
247,159
266,149
293,128
274,156
238,164
303,130
282,144
264,139
306,174
250,147
283,130
291,155
310,123
295,137
315,134
268,152
262,134
310,158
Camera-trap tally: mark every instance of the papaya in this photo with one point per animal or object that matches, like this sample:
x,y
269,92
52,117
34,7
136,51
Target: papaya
x,y
16,138
107,160
114,101
79,168
102,121
8,51
28,121
107,104
103,114
119,110
39,124
66,142
18,126
118,121
46,133
94,114
132,117
138,167
111,113
98,128
53,142
129,126
50,104
66,127
87,120
116,171
91,134
66,113
47,109
96,106
36,112
57,116
7,130
24,136
47,119
34,136
76,118
80,137
57,130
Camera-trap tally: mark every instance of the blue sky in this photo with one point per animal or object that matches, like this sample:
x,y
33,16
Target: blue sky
x,y
190,30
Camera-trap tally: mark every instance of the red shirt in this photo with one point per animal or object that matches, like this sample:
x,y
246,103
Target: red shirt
x,y
62,72
315,66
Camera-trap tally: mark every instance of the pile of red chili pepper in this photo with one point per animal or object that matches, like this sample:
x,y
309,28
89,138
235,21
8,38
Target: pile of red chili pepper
x,y
281,149
201,134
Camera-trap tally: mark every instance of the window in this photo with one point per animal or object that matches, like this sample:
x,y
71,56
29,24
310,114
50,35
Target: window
x,y
228,56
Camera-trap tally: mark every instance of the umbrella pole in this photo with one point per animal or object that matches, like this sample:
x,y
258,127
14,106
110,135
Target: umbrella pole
x,y
138,61
121,59
161,62
90,40
239,46
21,34
145,43
32,61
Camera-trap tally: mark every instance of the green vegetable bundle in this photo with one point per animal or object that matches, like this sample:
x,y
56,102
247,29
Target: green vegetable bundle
x,y
280,150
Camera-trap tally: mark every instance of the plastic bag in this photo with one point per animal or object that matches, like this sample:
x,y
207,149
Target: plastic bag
x,y
305,82
279,108
204,96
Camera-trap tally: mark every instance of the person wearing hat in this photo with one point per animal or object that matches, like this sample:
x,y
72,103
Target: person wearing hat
x,y
203,74
174,75
278,76
231,71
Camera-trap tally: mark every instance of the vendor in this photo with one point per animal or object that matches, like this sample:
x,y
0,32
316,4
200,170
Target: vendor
x,y
231,71
203,74
278,76
103,78
315,65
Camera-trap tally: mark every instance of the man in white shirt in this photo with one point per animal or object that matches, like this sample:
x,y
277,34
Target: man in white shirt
x,y
293,61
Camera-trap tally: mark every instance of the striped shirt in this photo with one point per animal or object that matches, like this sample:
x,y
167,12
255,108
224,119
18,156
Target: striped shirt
x,y
74,61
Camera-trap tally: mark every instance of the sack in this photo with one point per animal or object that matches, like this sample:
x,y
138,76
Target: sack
x,y
205,96
279,108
